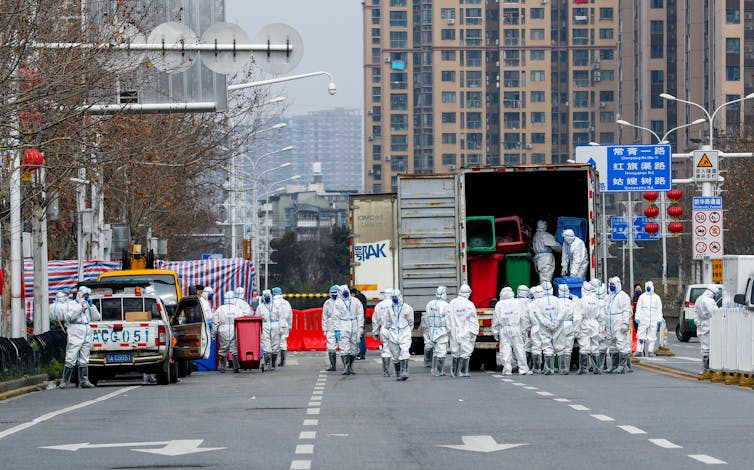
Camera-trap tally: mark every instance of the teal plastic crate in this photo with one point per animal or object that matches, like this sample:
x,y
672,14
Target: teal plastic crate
x,y
480,234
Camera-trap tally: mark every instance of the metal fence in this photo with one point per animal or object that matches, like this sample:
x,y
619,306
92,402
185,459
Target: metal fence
x,y
19,356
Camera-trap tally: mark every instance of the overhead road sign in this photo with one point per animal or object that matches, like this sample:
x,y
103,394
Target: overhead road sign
x,y
633,168
706,165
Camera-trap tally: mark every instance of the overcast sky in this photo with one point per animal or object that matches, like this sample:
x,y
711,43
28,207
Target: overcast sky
x,y
332,34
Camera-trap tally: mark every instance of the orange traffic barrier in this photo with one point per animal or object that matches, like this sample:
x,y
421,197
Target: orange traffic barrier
x,y
307,335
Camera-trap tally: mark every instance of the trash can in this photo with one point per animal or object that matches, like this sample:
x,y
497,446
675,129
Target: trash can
x,y
576,224
249,334
483,272
480,234
210,363
574,284
517,268
508,235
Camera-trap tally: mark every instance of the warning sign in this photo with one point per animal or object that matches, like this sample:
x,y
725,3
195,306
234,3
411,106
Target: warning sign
x,y
705,165
707,227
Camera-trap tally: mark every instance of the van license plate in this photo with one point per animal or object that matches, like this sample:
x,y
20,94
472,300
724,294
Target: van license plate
x,y
118,358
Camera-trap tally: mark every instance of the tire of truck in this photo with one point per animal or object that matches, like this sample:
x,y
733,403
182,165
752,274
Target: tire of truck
x,y
162,373
93,376
184,368
684,338
173,368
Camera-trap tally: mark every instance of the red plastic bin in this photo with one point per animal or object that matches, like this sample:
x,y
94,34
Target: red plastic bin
x,y
509,236
483,272
249,334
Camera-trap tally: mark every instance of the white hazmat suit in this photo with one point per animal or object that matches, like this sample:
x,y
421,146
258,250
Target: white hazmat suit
x,y
379,331
543,244
349,326
77,315
649,318
704,308
270,313
575,260
569,315
592,317
286,321
224,331
506,328
399,323
435,329
464,328
617,318
545,309
522,297
328,326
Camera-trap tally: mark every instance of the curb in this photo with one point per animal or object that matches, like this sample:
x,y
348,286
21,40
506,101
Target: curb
x,y
13,388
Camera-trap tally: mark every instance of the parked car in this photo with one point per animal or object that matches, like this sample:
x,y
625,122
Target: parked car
x,y
686,327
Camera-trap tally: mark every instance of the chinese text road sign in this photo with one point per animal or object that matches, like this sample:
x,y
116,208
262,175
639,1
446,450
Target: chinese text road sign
x,y
619,232
629,167
707,226
705,165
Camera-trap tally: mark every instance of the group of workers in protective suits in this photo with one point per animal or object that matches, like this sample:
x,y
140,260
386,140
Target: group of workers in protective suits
x,y
343,327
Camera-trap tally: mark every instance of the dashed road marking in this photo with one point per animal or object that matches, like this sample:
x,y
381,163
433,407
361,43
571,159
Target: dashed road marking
x,y
579,407
318,392
518,384
631,429
531,388
312,411
602,417
544,394
311,422
704,458
316,398
314,403
301,465
665,444
305,448
562,400
307,435
497,376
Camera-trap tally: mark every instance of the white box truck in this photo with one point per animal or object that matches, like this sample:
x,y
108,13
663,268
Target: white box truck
x,y
738,272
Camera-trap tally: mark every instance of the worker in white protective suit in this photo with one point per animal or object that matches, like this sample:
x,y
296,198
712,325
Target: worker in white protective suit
x,y
536,292
617,318
428,349
435,329
522,297
57,309
464,328
242,304
77,316
545,309
575,260
704,307
203,293
224,331
328,326
649,318
506,328
399,323
379,331
286,321
270,313
569,319
349,321
543,244
588,333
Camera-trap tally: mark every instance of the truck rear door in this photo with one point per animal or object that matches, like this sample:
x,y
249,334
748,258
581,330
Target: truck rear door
x,y
428,216
190,330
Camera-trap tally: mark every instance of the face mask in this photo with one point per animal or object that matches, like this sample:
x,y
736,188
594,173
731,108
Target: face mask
x,y
638,291
395,300
333,296
346,294
612,288
266,299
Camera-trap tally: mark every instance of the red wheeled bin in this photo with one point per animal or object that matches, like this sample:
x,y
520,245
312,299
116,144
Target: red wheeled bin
x,y
249,334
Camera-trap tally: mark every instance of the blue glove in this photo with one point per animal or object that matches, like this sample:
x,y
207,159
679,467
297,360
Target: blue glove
x,y
89,301
659,323
337,335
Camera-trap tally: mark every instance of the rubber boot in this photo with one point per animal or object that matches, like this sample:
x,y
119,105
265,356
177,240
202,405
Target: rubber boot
x,y
622,360
433,367
236,366
428,357
601,362
273,361
66,380
346,360
464,372
333,360
282,358
537,363
454,366
596,366
707,374
350,365
529,360
224,362
404,369
440,366
549,365
629,369
397,366
266,362
583,364
84,377
614,363
564,364
386,367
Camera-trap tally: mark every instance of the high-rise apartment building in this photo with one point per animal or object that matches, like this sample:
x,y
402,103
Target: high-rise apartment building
x,y
453,83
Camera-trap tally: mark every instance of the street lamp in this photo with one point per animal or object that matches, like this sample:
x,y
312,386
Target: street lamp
x,y
663,198
267,222
331,88
707,185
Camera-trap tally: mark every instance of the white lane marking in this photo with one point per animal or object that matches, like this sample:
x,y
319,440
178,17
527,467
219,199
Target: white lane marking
x,y
545,394
317,392
337,435
704,458
579,407
665,444
305,448
531,388
632,429
316,398
602,417
301,465
497,376
311,422
307,435
518,384
314,403
312,411
319,387
507,380
686,358
562,400
52,414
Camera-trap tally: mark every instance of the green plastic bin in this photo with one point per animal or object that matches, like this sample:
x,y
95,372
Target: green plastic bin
x,y
517,268
480,234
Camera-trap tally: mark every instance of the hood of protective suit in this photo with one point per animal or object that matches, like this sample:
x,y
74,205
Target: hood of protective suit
x,y
60,296
506,293
277,291
616,280
596,283
441,292
587,289
568,235
537,292
83,290
240,291
601,291
465,291
387,293
345,291
522,292
546,287
229,296
649,287
396,296
541,225
563,291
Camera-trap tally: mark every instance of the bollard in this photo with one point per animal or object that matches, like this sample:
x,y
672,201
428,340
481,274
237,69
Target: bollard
x,y
732,378
717,377
746,380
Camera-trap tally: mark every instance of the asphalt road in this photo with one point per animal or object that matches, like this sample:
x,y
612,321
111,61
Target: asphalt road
x,y
302,417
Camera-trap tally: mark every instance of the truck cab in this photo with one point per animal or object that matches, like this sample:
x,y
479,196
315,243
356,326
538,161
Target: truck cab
x,y
746,299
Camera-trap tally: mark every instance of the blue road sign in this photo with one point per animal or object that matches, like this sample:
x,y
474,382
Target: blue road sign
x,y
638,168
212,256
618,232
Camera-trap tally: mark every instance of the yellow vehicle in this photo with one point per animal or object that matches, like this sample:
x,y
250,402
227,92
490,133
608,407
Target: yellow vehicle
x,y
165,283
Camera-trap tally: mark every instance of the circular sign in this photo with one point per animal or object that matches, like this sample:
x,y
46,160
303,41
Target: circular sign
x,y
701,231
714,247
225,62
700,217
701,247
714,217
714,230
278,63
171,34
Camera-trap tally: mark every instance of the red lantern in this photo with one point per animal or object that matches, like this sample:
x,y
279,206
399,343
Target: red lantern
x,y
675,194
675,211
651,212
651,228
33,159
651,196
675,227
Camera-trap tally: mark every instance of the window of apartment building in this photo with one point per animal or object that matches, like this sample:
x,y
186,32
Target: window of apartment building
x,y
448,13
376,94
473,37
474,58
537,138
606,33
448,55
448,158
448,76
448,118
512,159
581,99
607,54
538,158
537,54
511,79
512,120
733,73
607,95
399,163
398,80
580,36
510,37
607,137
606,13
732,45
511,58
580,57
537,96
657,86
732,12
537,117
474,159
657,126
537,34
656,4
537,75
448,138
399,122
607,75
377,188
376,131
448,97
376,113
377,152
580,138
537,13
580,120
398,18
376,35
474,141
397,3
493,160
607,117
376,55
448,34
657,39
376,75
398,39
398,143
511,99
474,79
474,99
510,15
398,101
581,78
473,16
376,16
473,120
377,172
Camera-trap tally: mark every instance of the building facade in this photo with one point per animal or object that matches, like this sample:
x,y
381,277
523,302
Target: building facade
x,y
452,83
